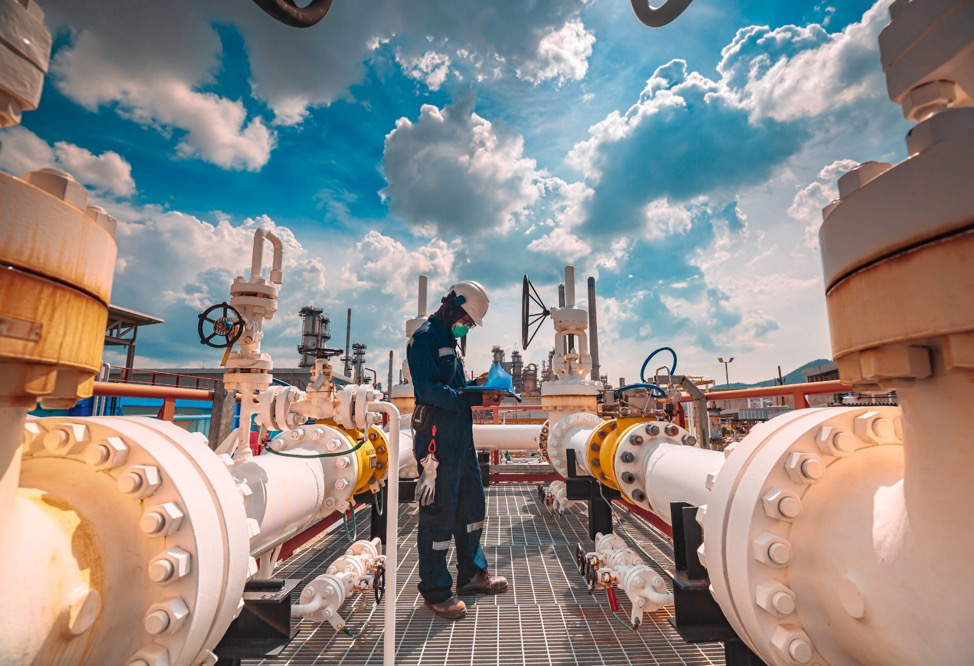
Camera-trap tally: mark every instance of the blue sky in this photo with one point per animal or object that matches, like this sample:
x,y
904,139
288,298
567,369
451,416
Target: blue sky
x,y
684,167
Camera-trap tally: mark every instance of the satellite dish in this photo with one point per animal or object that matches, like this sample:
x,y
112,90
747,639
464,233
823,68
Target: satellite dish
x,y
529,301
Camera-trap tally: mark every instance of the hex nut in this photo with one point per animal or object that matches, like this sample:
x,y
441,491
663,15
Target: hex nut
x,y
793,644
859,176
59,184
628,457
671,430
689,440
711,480
652,430
151,655
804,467
169,566
253,527
246,492
939,127
32,437
10,111
836,442
928,98
166,617
876,428
771,549
774,598
66,438
109,453
639,495
161,519
628,477
635,440
102,218
781,505
140,481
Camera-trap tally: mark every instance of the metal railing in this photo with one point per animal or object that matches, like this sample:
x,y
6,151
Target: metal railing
x,y
161,378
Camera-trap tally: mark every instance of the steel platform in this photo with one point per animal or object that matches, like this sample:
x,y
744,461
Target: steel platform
x,y
547,616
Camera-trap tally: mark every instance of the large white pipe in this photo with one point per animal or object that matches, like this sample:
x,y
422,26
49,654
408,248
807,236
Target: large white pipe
x,y
508,437
678,473
392,530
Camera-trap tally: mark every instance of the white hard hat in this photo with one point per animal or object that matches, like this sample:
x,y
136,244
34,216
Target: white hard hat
x,y
472,297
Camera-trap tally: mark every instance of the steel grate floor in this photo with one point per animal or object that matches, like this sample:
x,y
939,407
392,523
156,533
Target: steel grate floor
x,y
547,616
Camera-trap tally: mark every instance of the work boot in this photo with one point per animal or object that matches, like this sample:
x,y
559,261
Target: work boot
x,y
451,609
484,583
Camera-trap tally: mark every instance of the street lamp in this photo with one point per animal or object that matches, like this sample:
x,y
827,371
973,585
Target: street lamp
x,y
726,373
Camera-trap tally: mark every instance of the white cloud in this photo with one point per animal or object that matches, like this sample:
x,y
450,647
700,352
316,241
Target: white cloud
x,y
562,55
108,171
431,68
151,62
808,203
24,151
455,172
21,151
796,72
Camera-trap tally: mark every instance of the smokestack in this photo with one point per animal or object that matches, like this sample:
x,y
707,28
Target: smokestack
x,y
561,295
570,286
348,340
593,331
389,385
421,301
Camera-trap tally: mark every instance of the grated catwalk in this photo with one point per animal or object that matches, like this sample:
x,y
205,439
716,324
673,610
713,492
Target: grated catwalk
x,y
547,616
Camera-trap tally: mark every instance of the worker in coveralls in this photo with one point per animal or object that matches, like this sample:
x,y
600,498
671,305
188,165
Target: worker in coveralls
x,y
453,510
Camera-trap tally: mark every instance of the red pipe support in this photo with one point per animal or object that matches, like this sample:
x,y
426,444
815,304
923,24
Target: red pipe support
x,y
809,388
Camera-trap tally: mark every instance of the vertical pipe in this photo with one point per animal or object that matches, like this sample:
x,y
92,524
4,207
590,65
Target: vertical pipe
x,y
421,300
570,286
348,341
392,530
593,331
561,295
389,386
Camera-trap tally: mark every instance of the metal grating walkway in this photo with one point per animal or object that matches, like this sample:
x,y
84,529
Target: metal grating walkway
x,y
547,616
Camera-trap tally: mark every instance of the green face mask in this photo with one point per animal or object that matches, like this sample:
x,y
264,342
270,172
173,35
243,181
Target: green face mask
x,y
459,330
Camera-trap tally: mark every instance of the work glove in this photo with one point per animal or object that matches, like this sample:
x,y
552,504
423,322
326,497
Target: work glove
x,y
426,487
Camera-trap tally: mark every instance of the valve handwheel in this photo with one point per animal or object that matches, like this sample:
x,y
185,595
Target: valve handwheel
x,y
225,326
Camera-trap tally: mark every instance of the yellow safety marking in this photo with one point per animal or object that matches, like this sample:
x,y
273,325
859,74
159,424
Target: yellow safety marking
x,y
602,446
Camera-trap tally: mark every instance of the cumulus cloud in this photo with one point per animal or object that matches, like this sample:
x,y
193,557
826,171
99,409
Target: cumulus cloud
x,y
795,72
431,68
453,171
152,61
562,55
809,201
23,151
108,171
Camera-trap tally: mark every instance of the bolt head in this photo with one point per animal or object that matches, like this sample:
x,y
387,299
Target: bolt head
x,y
771,549
939,127
59,184
166,617
107,454
781,505
10,111
774,598
672,430
151,655
628,457
341,484
876,428
66,438
689,440
635,440
161,519
837,442
140,481
652,430
169,566
928,98
859,176
104,220
628,477
793,644
711,480
804,467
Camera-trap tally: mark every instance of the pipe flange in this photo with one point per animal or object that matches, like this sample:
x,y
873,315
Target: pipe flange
x,y
560,435
758,499
634,445
156,503
543,441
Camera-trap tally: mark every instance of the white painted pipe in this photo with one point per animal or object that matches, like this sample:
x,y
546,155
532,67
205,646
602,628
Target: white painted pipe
x,y
579,443
675,473
421,299
392,530
569,286
507,437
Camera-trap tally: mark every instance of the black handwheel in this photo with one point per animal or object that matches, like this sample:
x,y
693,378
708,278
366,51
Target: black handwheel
x,y
225,326
379,583
529,300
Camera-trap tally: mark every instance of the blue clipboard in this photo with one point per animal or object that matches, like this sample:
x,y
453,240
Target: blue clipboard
x,y
486,389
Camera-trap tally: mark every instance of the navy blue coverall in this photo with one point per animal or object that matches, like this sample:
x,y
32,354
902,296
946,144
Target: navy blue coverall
x,y
459,505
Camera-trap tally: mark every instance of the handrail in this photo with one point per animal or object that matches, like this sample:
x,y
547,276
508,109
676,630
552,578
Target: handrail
x,y
797,391
123,390
125,375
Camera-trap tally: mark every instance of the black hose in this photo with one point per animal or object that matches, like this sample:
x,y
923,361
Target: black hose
x,y
290,14
657,17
